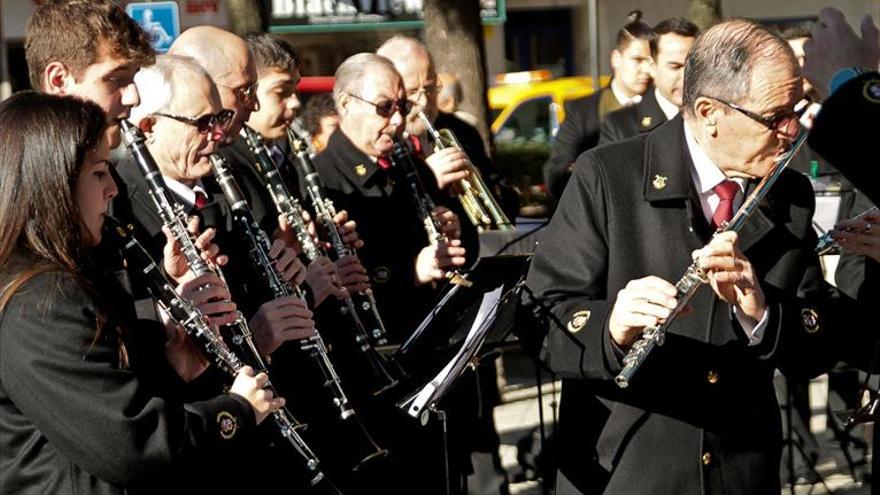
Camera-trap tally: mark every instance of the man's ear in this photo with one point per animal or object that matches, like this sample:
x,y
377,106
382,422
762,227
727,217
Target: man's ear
x,y
57,79
615,59
342,104
707,111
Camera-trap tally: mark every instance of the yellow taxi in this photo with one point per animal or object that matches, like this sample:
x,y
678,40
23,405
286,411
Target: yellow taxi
x,y
528,106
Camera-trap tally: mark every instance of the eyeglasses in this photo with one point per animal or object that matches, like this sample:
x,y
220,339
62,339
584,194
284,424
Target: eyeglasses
x,y
246,94
386,109
206,123
774,122
428,91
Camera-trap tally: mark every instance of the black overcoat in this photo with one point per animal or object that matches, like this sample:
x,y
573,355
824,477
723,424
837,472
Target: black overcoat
x,y
645,116
75,419
701,415
578,133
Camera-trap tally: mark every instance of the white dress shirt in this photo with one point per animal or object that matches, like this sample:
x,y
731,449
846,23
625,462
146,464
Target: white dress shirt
x,y
184,192
621,96
669,109
706,175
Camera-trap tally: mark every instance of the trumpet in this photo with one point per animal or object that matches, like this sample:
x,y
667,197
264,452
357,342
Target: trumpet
x,y
478,202
694,277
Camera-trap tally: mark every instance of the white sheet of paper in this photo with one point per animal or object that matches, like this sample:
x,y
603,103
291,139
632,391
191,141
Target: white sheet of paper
x,y
488,307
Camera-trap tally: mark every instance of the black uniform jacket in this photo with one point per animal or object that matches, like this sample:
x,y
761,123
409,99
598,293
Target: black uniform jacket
x,y
387,222
626,122
74,419
578,133
701,415
845,132
134,201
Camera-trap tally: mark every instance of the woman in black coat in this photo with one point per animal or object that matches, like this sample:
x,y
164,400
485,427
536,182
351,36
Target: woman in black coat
x,y
91,400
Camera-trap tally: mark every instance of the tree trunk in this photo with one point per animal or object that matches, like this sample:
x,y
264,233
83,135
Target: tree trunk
x,y
704,13
244,16
454,35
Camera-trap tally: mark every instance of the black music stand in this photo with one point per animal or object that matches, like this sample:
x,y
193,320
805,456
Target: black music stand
x,y
466,319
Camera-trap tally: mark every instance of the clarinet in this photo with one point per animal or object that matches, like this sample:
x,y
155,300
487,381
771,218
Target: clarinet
x,y
175,218
695,277
259,246
364,302
288,206
403,162
193,322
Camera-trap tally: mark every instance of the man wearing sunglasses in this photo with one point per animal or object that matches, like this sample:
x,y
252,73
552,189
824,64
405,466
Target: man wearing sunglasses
x,y
700,416
415,65
402,265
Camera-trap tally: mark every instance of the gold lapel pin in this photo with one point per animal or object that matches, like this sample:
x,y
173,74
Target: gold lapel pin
x,y
646,121
659,182
360,169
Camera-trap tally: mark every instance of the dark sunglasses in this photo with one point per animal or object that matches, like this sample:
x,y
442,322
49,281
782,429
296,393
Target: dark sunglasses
x,y
206,123
387,109
773,122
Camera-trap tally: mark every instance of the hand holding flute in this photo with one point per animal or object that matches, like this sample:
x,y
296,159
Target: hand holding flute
x,y
647,304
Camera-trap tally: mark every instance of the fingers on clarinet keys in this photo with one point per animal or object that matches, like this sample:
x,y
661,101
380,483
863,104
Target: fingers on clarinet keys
x,y
253,388
643,303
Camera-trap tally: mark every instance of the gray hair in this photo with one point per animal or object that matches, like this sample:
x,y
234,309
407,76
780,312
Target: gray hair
x,y
350,74
157,83
721,60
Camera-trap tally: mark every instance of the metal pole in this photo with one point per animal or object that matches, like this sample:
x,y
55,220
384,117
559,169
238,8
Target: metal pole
x,y
5,83
593,12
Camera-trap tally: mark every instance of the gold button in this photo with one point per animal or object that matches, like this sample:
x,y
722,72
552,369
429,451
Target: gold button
x,y
707,458
712,377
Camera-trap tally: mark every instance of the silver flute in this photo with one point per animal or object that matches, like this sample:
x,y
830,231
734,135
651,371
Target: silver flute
x,y
188,316
364,302
695,277
289,206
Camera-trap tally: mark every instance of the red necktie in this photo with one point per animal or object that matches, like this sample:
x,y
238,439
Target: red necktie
x,y
384,163
416,145
201,200
726,192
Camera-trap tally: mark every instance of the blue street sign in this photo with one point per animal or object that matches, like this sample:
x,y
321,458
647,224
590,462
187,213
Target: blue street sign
x,y
161,20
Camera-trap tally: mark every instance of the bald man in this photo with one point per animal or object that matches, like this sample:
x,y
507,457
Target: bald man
x,y
229,62
414,63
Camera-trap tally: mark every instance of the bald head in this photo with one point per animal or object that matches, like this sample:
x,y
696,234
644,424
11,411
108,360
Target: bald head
x,y
402,50
228,60
413,61
221,53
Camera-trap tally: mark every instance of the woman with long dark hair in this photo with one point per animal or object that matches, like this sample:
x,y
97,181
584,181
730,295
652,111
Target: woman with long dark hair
x,y
91,399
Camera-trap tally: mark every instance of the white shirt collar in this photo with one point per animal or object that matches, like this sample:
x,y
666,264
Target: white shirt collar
x,y
706,175
621,96
183,191
669,109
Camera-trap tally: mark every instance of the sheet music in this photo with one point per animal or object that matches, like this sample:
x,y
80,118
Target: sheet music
x,y
488,308
428,319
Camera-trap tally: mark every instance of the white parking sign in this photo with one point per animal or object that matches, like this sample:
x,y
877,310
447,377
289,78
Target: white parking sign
x,y
161,20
